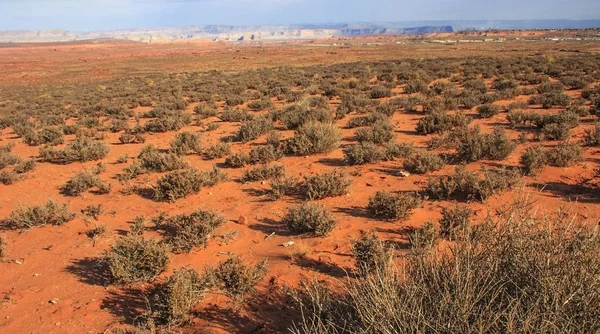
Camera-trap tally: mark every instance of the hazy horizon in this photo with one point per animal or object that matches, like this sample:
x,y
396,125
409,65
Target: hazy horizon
x,y
98,15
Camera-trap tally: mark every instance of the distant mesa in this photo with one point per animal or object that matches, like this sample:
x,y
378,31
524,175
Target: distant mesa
x,y
287,32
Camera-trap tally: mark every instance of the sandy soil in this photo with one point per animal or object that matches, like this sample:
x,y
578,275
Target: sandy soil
x,y
49,283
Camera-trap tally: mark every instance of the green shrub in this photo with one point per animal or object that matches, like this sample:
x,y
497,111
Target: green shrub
x,y
455,221
131,172
39,215
309,218
473,145
439,121
565,154
134,259
186,232
533,160
173,121
264,172
172,302
555,131
371,254
254,128
362,153
180,183
314,138
393,207
422,162
152,159
217,151
186,143
282,186
369,119
330,184
237,279
205,111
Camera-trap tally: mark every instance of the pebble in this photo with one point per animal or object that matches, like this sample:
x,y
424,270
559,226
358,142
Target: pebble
x,y
53,301
288,244
242,220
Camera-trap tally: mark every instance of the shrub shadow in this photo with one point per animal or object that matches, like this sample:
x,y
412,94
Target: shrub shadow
x,y
90,270
572,192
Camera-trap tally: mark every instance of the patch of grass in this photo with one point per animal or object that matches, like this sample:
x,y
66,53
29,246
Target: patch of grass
x,y
81,149
309,218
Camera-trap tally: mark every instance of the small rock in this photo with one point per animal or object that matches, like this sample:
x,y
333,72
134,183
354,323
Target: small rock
x,y
288,244
36,275
53,301
18,262
242,220
262,183
404,173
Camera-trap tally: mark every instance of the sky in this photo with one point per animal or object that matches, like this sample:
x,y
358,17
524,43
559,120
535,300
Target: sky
x,y
96,15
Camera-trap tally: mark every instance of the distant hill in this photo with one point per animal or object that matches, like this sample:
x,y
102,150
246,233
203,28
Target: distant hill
x,y
288,32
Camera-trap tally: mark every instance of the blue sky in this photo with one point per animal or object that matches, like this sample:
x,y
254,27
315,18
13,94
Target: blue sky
x,y
88,15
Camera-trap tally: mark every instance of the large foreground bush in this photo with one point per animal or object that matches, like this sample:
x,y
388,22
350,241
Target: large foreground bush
x,y
521,274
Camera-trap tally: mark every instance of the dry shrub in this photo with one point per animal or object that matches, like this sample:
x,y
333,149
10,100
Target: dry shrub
x,y
565,154
237,279
592,136
533,160
379,92
152,159
50,213
179,184
440,121
455,221
370,253
186,232
282,186
254,128
83,181
134,259
309,218
237,160
50,135
330,184
93,211
217,151
265,154
520,273
264,172
367,120
393,207
379,133
488,110
186,143
362,153
473,145
81,149
314,138
25,166
6,157
398,150
424,237
8,177
422,162
3,246
172,301
468,185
